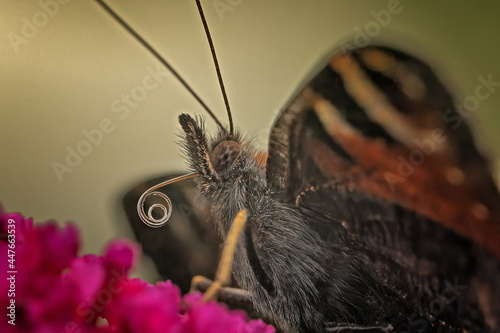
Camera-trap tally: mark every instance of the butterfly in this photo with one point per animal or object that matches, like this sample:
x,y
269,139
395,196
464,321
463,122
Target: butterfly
x,y
338,236
372,210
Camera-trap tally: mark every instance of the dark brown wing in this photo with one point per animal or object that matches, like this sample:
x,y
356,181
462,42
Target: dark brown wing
x,y
380,121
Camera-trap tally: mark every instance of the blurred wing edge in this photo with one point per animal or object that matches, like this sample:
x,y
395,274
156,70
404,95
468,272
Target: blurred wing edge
x,y
380,121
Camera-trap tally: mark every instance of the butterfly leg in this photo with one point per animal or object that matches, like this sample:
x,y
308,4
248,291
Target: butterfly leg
x,y
232,296
315,188
223,275
353,328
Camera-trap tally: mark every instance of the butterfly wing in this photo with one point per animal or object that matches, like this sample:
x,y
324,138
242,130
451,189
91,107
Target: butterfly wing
x,y
379,121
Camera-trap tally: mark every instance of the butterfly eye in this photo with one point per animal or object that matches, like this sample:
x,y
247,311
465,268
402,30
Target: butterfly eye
x,y
224,155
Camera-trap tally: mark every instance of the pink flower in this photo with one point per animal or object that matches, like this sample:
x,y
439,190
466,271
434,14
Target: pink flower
x,y
212,317
142,307
54,290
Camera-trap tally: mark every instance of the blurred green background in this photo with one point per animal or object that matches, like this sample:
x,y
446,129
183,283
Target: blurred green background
x,y
67,76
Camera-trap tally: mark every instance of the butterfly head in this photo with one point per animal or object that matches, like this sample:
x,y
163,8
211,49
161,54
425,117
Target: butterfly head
x,y
226,167
220,159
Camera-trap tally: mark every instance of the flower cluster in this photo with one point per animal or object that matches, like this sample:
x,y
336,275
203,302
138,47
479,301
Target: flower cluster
x,y
46,287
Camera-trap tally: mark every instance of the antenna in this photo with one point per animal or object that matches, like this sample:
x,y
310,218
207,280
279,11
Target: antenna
x,y
141,40
217,68
148,218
